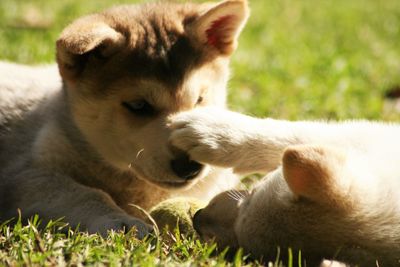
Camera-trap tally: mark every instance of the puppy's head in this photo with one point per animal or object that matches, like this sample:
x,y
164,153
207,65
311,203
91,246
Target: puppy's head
x,y
313,204
127,69
216,221
308,204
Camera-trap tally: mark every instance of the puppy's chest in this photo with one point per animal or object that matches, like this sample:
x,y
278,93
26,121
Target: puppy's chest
x,y
128,192
145,196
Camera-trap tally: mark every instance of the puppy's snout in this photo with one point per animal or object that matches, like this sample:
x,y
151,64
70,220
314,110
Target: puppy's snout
x,y
185,168
196,221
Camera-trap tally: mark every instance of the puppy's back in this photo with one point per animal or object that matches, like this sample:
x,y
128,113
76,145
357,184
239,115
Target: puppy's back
x,y
22,87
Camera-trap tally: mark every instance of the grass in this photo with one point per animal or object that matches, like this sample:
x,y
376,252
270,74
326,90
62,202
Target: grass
x,y
48,246
75,248
296,60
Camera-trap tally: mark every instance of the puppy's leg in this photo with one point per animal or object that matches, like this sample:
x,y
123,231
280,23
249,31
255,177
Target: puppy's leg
x,y
247,144
229,139
56,196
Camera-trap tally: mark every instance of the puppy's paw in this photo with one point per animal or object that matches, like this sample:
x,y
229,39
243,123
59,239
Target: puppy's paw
x,y
118,223
208,135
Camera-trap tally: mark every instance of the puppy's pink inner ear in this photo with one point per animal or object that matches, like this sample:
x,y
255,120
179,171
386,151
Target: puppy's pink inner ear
x,y
218,29
219,32
314,172
298,179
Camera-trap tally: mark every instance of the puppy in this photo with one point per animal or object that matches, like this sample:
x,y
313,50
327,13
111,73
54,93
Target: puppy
x,y
86,146
334,192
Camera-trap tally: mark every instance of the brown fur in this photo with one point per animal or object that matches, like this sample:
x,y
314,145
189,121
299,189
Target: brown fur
x,y
81,152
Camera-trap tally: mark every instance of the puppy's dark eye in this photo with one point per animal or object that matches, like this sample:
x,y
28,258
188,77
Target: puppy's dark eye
x,y
199,100
139,107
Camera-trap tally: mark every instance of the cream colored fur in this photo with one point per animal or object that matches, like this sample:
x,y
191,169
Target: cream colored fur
x,y
333,191
73,146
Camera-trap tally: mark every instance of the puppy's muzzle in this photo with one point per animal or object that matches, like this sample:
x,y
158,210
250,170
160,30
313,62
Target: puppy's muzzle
x,y
185,168
196,221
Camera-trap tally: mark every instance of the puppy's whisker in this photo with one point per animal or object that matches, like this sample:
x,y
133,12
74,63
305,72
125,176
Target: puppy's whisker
x,y
139,152
242,194
233,195
137,156
237,195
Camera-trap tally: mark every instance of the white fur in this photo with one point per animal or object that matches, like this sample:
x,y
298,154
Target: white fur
x,y
355,217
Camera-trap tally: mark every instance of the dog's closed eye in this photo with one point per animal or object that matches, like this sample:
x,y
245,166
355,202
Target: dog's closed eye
x,y
139,107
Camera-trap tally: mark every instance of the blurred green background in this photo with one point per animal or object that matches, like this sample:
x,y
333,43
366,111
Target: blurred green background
x,y
308,59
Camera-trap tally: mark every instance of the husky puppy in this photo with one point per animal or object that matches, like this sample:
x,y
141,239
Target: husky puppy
x,y
334,192
86,148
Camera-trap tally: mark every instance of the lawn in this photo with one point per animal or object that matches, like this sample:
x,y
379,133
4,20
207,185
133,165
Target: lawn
x,y
311,59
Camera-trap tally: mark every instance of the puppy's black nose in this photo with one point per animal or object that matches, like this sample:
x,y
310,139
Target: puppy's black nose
x,y
185,168
196,221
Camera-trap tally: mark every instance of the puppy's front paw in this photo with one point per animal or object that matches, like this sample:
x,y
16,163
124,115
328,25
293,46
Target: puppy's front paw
x,y
208,135
120,222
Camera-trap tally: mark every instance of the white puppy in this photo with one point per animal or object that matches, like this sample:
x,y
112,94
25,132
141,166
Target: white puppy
x,y
335,196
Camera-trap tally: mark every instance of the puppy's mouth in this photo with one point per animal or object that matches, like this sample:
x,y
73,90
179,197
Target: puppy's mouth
x,y
182,174
185,168
170,184
179,183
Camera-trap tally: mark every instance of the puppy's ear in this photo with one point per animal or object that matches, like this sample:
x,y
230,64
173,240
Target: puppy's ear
x,y
85,35
317,173
218,28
